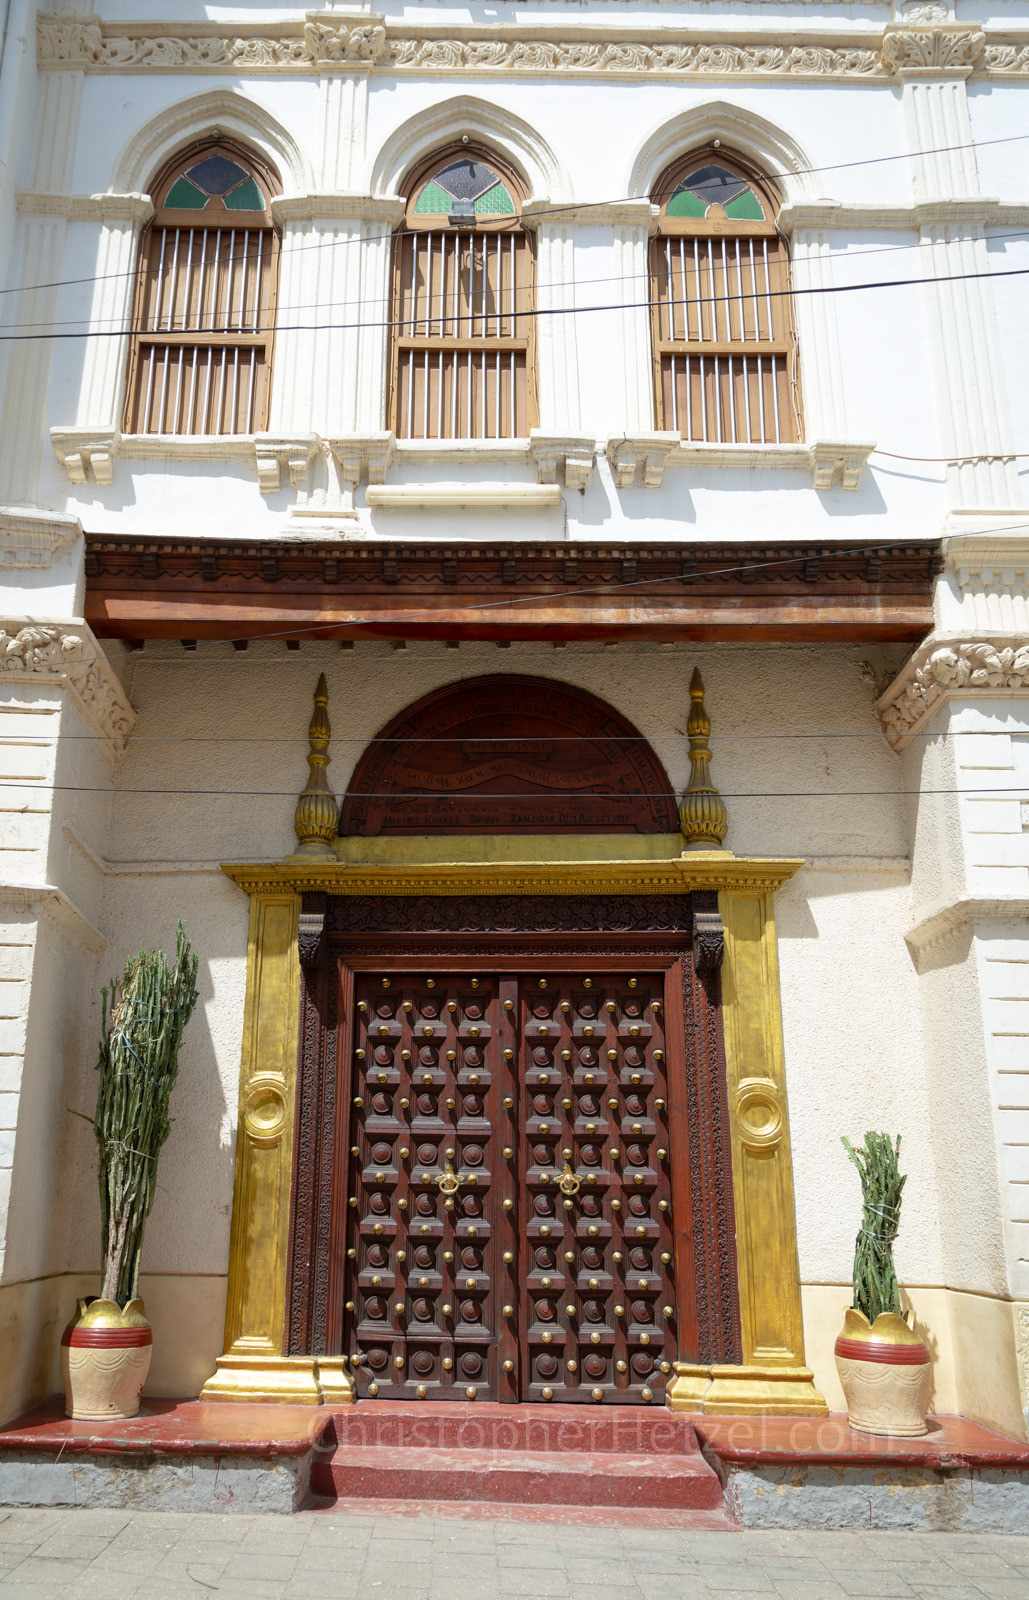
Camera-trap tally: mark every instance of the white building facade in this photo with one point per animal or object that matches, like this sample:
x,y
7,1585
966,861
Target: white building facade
x,y
860,409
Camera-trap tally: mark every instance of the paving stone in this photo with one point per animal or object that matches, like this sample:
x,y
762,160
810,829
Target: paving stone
x,y
244,1566
535,1581
746,1579
611,1591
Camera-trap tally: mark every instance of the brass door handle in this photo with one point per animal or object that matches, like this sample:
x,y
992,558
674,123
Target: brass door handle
x,y
448,1181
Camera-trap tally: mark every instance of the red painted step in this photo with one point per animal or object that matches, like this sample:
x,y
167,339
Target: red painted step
x,y
620,1456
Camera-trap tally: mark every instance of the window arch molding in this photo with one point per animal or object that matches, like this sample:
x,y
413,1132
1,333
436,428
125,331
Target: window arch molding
x,y
240,118
513,142
752,138
726,367
462,362
204,307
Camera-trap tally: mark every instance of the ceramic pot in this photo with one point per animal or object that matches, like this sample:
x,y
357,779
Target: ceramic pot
x,y
885,1371
105,1357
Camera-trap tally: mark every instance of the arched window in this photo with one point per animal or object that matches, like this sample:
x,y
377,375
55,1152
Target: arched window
x,y
462,364
724,347
208,268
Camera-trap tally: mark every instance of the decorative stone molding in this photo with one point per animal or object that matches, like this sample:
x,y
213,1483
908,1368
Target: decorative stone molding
x,y
47,900
571,456
838,461
941,668
646,452
990,575
829,461
273,453
134,208
933,52
67,654
84,450
973,211
30,538
300,208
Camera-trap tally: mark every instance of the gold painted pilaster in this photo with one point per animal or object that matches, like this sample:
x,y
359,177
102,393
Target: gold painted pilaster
x,y
773,1377
255,1312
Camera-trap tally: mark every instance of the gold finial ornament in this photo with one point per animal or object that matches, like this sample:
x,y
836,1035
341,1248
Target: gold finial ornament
x,y
316,815
702,816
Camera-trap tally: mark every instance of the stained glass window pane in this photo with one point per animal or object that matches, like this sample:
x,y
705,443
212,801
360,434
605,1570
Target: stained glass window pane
x,y
217,174
247,197
465,180
714,185
185,196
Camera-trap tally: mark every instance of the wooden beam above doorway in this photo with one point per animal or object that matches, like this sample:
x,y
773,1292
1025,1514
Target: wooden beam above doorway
x,y
213,589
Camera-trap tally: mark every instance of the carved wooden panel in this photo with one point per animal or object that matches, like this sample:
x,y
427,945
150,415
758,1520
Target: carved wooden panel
x,y
599,1318
509,755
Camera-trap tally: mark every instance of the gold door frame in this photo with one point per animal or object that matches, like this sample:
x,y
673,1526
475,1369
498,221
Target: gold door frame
x,y
773,1378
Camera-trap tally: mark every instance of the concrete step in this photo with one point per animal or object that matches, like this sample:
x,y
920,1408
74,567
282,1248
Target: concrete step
x,y
444,1425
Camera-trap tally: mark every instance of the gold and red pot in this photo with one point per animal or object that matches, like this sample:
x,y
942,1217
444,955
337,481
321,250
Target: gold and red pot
x,y
886,1372
105,1358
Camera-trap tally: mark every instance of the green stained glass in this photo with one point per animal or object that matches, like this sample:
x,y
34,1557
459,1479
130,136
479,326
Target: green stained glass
x,y
432,201
247,197
684,203
185,196
496,202
746,208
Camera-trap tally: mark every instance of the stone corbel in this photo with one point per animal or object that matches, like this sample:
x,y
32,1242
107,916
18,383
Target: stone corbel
x,y
310,928
837,461
30,538
567,454
646,451
84,450
362,458
708,931
274,452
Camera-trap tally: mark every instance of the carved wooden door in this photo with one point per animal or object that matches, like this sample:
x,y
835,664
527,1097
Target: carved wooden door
x,y
429,1223
597,1241
510,1230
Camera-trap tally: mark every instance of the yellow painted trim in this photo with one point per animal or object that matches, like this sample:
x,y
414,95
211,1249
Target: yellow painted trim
x,y
773,1377
420,874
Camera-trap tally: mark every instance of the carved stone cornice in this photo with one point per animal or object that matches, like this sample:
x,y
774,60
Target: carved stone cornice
x,y
30,538
67,654
944,667
136,209
325,42
933,52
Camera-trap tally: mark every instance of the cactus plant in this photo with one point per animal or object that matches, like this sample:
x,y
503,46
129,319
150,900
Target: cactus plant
x,y
882,1186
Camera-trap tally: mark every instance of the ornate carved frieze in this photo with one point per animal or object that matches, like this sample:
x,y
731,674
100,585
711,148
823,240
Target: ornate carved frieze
x,y
942,667
326,43
67,653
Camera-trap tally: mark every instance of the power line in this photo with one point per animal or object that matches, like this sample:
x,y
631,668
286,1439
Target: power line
x,y
582,205
992,790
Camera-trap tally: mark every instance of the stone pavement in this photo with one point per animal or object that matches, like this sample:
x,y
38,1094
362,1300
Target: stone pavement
x,y
169,1556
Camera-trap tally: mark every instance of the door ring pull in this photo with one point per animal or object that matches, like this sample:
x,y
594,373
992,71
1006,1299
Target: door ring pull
x,y
448,1181
569,1182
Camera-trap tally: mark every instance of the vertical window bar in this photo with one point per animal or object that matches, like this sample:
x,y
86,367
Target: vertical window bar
x,y
732,370
209,363
696,289
257,282
151,364
726,295
718,400
229,279
203,274
469,435
159,294
761,396
675,397
757,317
187,294
746,398
689,398
774,363
482,395
174,286
244,266
190,419
739,292
235,390
439,397
768,289
703,400
164,389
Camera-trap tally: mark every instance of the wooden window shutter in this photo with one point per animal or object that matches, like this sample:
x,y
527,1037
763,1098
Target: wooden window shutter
x,y
205,301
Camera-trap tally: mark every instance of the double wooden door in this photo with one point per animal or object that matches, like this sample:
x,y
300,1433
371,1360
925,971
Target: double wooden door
x,y
510,1229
